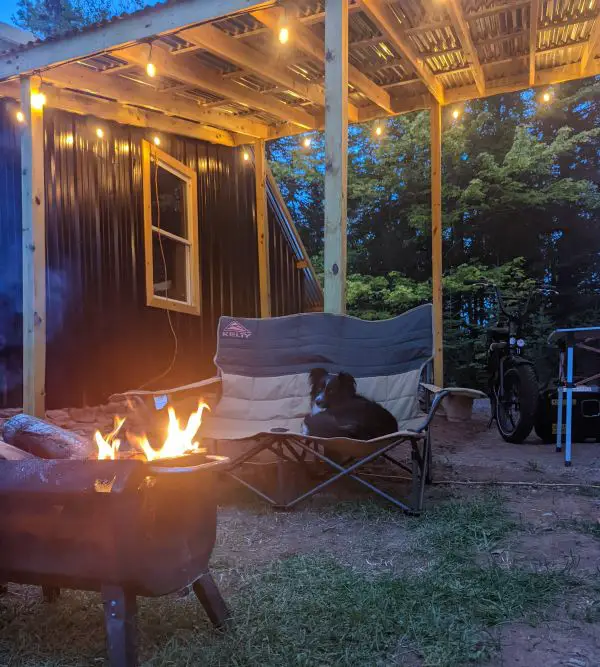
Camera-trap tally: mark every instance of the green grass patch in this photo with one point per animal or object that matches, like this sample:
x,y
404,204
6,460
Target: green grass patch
x,y
311,611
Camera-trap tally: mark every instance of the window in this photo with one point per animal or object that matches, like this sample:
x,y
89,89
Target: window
x,y
171,232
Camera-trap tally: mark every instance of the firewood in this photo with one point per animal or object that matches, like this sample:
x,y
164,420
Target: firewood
x,y
45,440
10,453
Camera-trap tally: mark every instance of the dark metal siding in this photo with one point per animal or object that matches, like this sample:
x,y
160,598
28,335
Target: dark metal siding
x,y
102,338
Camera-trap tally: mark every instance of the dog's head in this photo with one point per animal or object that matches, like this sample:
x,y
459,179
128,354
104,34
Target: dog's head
x,y
330,389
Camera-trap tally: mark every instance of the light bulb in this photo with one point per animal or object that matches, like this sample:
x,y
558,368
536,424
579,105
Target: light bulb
x,y
99,132
37,101
307,142
69,140
378,130
246,156
455,114
284,35
151,70
156,141
20,116
546,97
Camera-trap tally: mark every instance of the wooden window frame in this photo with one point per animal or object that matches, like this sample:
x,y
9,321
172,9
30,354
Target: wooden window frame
x,y
189,176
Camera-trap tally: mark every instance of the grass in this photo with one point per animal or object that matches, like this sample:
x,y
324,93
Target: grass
x,y
310,611
584,526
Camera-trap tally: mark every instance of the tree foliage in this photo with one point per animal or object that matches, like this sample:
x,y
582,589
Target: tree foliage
x,y
52,17
520,204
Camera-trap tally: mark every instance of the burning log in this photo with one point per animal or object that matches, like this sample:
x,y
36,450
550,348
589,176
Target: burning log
x,y
45,440
10,453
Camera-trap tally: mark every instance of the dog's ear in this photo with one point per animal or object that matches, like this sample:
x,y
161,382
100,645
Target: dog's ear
x,y
316,375
348,382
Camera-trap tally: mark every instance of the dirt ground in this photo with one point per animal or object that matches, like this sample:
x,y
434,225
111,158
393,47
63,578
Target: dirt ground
x,y
550,536
466,453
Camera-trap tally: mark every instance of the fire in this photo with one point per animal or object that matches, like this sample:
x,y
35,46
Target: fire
x,y
179,441
108,446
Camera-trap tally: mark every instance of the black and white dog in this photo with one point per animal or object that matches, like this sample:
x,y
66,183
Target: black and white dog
x,y
337,410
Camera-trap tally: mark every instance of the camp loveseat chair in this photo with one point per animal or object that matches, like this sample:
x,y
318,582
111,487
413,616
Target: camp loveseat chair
x,y
264,366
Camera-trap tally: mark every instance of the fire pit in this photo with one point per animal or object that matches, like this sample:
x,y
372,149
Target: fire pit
x,y
124,527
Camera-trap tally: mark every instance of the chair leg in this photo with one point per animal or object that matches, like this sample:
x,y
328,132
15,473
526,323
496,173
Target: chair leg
x,y
429,459
211,599
120,617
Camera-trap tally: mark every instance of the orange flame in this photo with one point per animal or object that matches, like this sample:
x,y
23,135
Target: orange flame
x,y
178,442
108,446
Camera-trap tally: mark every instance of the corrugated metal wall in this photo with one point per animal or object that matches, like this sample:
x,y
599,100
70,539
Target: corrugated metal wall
x,y
102,338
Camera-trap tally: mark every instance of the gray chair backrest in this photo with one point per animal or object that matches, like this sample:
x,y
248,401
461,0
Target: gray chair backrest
x,y
265,363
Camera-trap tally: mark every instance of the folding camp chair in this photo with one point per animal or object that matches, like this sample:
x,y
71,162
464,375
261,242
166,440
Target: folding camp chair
x,y
263,375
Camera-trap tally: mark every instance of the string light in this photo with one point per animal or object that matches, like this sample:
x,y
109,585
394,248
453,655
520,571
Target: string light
x,y
378,130
307,142
99,132
156,141
284,35
455,114
38,100
546,96
150,66
69,140
20,116
246,156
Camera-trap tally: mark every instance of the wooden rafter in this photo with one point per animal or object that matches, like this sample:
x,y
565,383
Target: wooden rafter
x,y
125,91
87,105
138,26
385,19
534,15
463,32
305,40
591,47
215,41
188,70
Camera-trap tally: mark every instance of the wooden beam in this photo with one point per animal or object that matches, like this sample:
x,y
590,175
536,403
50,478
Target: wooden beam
x,y
217,42
436,243
385,19
262,229
189,70
534,14
159,20
591,47
125,91
463,32
336,154
33,212
107,110
495,10
306,41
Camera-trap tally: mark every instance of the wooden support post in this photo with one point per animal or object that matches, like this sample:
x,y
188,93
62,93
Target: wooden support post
x,y
336,153
262,229
33,212
436,243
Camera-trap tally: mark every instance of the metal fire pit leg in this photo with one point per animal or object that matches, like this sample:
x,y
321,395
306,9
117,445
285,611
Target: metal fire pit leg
x,y
120,617
51,593
211,599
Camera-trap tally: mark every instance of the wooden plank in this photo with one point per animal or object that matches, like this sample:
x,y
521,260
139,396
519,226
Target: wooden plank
x,y
385,19
107,110
163,19
534,16
125,91
189,70
591,48
33,212
463,32
306,40
336,154
262,229
436,243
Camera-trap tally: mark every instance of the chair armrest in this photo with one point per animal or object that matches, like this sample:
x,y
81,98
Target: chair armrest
x,y
162,392
440,394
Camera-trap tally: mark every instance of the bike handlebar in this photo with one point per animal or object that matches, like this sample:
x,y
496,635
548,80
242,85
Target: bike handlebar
x,y
485,283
